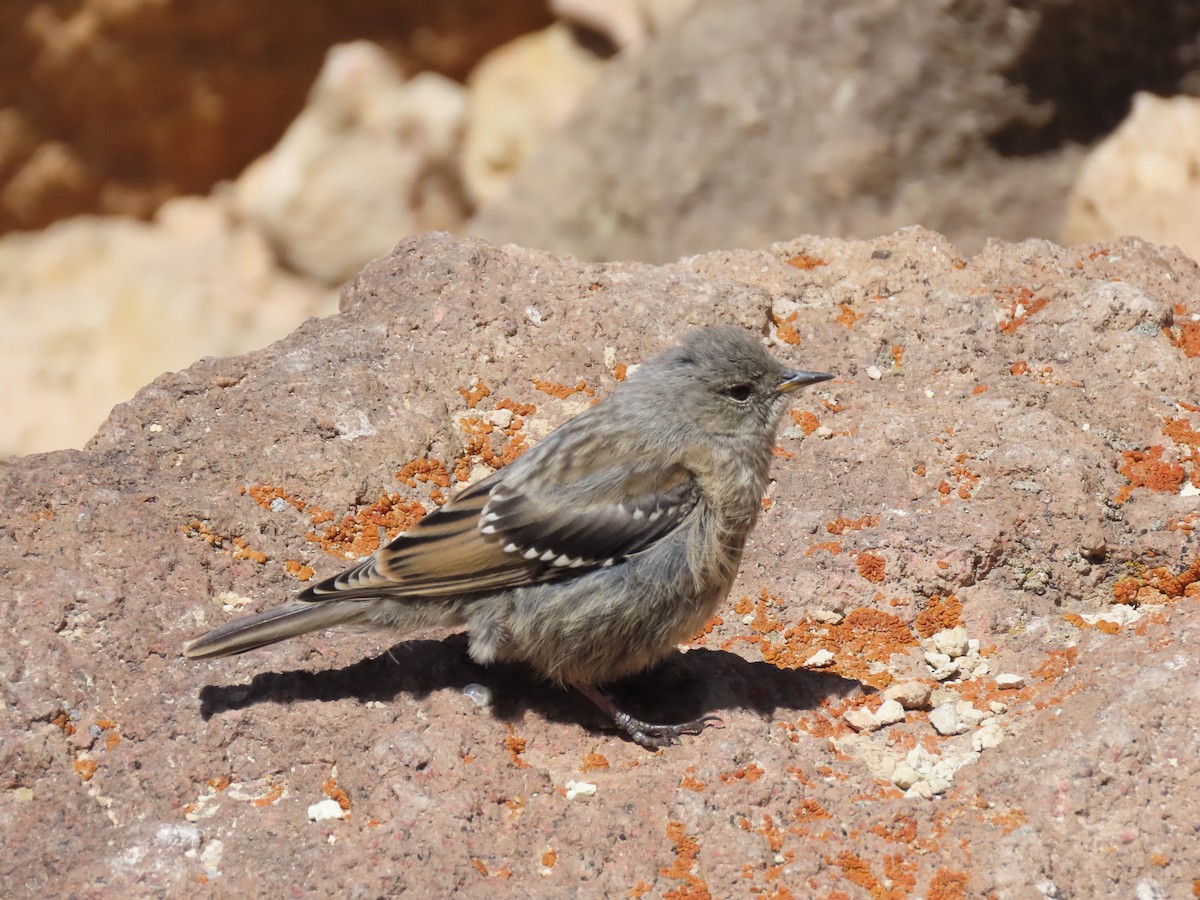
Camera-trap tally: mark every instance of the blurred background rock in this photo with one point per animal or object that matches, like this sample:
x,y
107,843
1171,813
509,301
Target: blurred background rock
x,y
182,179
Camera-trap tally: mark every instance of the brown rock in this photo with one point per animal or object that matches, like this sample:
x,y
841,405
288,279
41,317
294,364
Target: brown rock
x,y
114,105
128,770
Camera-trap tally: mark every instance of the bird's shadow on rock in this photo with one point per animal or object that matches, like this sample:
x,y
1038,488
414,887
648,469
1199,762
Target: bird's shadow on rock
x,y
685,686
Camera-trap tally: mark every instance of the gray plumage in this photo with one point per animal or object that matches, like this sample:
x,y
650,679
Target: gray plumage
x,y
597,551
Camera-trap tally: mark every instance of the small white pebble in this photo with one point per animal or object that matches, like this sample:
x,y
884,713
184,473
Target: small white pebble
x,y
501,418
818,660
945,720
929,393
478,694
326,809
968,714
824,432
1009,682
155,427
873,373
987,737
580,789
748,618
936,660
952,641
828,616
909,694
861,719
904,776
997,707
610,358
890,713
533,315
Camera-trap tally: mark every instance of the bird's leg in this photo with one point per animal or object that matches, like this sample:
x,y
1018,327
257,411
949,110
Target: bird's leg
x,y
645,733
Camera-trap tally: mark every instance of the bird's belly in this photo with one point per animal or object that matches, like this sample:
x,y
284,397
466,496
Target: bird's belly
x,y
610,622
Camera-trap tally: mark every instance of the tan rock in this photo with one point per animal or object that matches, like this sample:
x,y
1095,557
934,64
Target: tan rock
x,y
369,161
1144,179
94,308
518,93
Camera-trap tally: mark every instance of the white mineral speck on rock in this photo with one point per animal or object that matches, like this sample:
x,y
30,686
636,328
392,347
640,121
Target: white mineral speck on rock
x,y
953,642
818,660
1006,681
210,857
326,809
890,713
580,789
533,315
824,432
873,373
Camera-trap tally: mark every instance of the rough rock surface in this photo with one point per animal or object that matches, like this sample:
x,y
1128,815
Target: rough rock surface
x,y
742,123
1010,448
115,105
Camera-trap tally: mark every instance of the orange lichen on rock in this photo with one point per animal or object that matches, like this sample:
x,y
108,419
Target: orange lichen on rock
x,y
593,761
274,793
298,570
1147,470
897,355
85,768
264,494
359,534
218,783
424,470
938,615
1057,664
687,853
871,566
1020,367
948,885
833,548
1157,585
785,331
475,393
691,783
805,262
550,858
1020,308
750,774
865,635
1185,336
841,524
806,421
809,810
335,793
563,391
515,747
978,389
846,317
700,638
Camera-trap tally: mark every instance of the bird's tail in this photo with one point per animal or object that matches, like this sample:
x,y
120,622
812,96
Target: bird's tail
x,y
273,625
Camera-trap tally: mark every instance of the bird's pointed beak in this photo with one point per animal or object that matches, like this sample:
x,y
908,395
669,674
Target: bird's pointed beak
x,y
795,379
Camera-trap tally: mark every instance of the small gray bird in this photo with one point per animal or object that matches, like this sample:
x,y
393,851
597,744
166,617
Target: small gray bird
x,y
595,553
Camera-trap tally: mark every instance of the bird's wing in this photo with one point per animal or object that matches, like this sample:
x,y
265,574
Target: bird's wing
x,y
512,531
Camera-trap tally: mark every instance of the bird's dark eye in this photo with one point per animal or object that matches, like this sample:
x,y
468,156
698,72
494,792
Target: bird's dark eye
x,y
740,392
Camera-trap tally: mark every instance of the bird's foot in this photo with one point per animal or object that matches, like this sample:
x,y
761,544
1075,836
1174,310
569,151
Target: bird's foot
x,y
648,734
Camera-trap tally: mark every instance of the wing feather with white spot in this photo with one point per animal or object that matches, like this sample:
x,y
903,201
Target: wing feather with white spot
x,y
497,535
